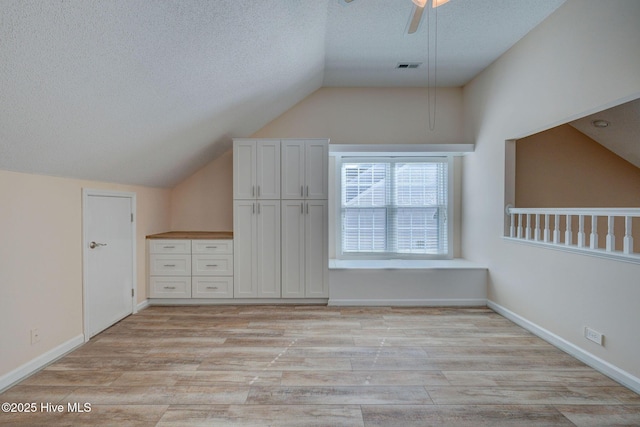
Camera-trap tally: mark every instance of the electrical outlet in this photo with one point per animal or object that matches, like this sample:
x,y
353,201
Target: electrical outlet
x,y
35,336
593,335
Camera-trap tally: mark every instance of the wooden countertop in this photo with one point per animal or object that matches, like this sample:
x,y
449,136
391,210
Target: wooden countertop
x,y
193,235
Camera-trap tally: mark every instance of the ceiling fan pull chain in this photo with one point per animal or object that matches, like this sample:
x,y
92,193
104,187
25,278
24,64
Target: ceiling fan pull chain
x,y
432,117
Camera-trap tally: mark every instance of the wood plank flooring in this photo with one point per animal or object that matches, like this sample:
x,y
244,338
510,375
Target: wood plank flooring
x,y
322,366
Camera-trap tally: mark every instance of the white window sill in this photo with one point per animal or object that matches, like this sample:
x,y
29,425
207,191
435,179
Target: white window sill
x,y
402,264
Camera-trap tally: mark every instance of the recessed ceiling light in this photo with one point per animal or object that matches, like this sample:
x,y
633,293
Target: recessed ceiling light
x,y
600,123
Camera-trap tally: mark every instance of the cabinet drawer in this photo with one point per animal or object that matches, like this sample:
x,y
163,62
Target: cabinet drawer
x,y
212,247
170,265
212,287
169,246
170,287
212,265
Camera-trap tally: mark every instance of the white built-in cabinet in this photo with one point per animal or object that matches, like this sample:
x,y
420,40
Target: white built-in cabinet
x,y
280,190
305,169
256,228
304,254
184,268
256,169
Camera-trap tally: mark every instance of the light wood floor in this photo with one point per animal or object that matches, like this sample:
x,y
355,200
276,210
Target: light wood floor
x,y
301,366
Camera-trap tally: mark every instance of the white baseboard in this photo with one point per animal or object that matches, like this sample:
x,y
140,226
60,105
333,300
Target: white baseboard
x,y
39,362
602,366
236,301
409,302
142,305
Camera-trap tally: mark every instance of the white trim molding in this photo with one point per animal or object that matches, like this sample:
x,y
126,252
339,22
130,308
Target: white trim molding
x,y
40,362
400,149
453,302
141,306
602,366
236,301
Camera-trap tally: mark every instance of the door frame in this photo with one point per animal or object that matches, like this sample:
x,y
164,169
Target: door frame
x,y
86,193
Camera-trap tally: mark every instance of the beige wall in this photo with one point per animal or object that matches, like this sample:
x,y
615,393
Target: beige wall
x,y
204,201
41,258
583,58
372,116
562,167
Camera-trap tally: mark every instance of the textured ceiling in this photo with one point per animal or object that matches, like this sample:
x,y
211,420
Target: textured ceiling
x,y
146,92
366,39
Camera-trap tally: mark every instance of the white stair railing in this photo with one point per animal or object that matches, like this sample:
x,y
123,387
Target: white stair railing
x,y
550,224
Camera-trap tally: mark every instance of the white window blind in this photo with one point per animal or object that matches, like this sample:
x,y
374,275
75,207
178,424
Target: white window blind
x,y
394,207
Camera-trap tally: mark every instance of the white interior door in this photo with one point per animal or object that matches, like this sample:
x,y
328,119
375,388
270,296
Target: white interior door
x,y
108,259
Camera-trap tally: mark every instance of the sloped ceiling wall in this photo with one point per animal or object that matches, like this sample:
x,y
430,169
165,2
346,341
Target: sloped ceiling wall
x,y
622,136
146,92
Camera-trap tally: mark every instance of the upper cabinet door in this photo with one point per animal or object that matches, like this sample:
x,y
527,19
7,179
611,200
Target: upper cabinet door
x,y
268,169
256,169
244,169
293,163
316,170
305,169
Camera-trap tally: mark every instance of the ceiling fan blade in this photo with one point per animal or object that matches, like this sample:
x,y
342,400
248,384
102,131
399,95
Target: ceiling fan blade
x,y
415,20
437,3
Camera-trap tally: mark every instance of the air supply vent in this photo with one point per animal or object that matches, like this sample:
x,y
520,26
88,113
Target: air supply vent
x,y
408,65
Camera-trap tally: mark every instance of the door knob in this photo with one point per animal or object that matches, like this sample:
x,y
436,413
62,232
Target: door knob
x,y
94,245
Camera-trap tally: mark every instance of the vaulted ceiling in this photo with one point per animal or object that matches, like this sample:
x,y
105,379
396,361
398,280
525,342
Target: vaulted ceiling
x,y
146,92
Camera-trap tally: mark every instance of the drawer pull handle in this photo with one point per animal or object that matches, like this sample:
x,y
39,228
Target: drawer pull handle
x,y
169,265
169,287
212,265
212,247
168,247
212,287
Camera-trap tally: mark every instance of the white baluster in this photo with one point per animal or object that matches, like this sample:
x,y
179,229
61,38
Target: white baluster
x,y
519,226
547,230
556,229
628,238
611,237
581,235
528,229
536,233
512,228
568,235
593,237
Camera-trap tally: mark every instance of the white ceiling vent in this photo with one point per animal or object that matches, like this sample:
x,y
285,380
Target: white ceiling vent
x,y
408,65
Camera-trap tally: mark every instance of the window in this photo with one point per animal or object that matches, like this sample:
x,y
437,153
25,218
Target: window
x,y
395,207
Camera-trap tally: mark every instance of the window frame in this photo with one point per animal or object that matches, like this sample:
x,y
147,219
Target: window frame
x,y
421,158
